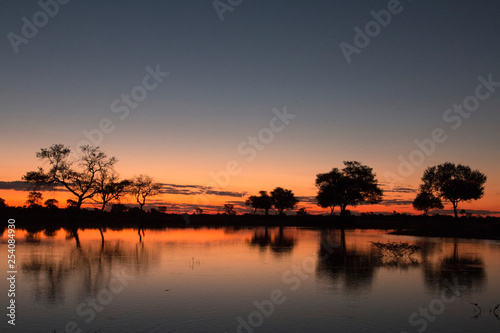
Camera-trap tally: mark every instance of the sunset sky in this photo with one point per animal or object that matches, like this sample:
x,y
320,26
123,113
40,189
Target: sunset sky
x,y
229,78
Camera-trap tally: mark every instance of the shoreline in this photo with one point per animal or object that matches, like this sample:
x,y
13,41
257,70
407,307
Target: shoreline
x,y
35,220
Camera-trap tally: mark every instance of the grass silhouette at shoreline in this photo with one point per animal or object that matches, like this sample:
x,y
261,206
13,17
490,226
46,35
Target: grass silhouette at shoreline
x,y
433,226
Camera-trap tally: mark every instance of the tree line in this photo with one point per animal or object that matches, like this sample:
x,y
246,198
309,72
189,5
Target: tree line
x,y
93,177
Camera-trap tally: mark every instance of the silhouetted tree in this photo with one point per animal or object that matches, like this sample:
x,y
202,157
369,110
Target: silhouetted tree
x,y
51,203
263,201
71,204
109,188
229,209
78,177
454,183
281,243
199,211
142,187
118,208
261,239
162,209
329,185
426,201
283,199
2,204
353,185
34,199
302,211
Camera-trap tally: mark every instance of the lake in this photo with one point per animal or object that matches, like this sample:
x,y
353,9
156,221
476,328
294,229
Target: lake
x,y
251,280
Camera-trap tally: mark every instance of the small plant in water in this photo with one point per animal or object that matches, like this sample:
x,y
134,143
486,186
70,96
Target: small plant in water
x,y
393,253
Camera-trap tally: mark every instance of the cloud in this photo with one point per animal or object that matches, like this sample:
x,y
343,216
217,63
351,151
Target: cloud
x,y
18,185
398,189
183,186
165,189
472,211
15,185
396,202
309,199
189,208
196,190
181,189
226,193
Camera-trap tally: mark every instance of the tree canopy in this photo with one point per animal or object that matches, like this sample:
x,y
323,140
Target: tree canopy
x,y
34,199
263,201
229,209
79,177
110,188
51,203
353,185
455,183
283,199
144,186
426,201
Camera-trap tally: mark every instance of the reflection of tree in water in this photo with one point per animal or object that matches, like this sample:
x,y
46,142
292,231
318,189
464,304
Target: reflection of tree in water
x,y
73,233
282,243
354,269
84,269
261,239
48,277
141,233
50,232
32,237
279,242
467,272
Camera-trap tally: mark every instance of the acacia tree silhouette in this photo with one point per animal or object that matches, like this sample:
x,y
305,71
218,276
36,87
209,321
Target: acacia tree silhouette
x,y
353,185
79,178
328,185
51,203
34,199
229,209
283,199
426,201
263,201
109,187
455,183
144,186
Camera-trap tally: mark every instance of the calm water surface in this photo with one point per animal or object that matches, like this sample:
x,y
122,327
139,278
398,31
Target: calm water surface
x,y
251,280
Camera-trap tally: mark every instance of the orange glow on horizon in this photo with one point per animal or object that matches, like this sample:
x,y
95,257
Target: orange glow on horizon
x,y
302,186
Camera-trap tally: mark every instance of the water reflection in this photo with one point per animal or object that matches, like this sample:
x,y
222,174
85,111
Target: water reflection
x,y
280,242
351,268
220,272
88,268
33,237
465,270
